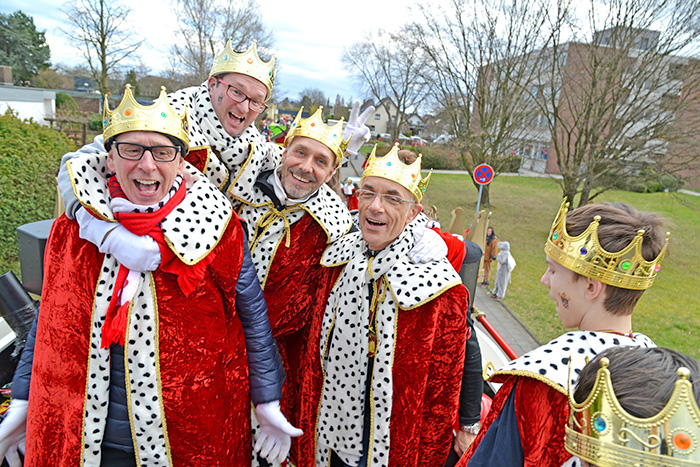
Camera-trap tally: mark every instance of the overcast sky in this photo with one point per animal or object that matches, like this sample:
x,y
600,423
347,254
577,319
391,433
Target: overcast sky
x,y
309,36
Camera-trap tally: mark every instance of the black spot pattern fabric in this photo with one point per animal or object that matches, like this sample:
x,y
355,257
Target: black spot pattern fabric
x,y
344,355
553,362
192,229
140,346
272,225
229,154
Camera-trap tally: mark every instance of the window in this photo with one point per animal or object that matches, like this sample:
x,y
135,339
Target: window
x,y
676,71
377,117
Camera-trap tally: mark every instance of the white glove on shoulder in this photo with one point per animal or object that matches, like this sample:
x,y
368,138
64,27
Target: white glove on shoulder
x,y
428,245
13,432
357,128
275,432
137,253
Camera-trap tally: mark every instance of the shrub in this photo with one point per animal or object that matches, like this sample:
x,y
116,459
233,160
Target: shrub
x,y
649,181
30,155
66,103
95,122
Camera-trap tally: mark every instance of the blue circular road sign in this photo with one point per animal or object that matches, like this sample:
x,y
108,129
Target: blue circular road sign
x,y
483,174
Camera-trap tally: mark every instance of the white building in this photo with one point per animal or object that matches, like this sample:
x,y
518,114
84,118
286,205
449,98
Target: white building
x,y
34,103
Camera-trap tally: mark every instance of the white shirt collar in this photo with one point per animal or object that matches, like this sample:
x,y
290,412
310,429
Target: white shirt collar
x,y
281,194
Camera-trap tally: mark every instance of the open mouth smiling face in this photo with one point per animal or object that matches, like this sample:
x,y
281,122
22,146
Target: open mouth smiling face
x,y
144,181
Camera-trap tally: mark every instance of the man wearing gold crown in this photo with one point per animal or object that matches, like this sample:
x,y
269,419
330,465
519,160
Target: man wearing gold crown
x,y
635,406
600,259
151,369
223,139
383,367
292,216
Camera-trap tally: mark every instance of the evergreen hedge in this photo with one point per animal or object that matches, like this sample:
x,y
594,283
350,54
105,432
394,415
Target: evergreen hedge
x,y
30,155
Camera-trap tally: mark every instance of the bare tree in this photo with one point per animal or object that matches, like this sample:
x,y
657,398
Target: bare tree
x,y
388,67
622,95
483,63
99,28
312,99
206,25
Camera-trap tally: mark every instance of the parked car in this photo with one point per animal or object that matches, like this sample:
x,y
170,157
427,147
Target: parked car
x,y
417,141
385,136
443,139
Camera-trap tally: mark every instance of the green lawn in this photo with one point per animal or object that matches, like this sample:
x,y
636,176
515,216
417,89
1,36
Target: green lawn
x,y
522,213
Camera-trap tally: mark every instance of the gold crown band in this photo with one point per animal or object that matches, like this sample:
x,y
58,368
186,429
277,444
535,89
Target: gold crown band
x,y
392,168
246,63
314,128
583,254
129,115
602,432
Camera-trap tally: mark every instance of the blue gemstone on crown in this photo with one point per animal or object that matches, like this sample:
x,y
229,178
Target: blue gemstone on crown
x,y
599,424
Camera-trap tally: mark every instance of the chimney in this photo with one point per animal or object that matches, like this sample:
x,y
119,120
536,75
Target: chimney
x,y
5,75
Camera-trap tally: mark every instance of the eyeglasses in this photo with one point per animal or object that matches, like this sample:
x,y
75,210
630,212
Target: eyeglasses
x,y
367,196
238,96
134,152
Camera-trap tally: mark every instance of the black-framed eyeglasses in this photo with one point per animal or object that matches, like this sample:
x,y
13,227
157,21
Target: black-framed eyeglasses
x,y
238,96
367,196
134,152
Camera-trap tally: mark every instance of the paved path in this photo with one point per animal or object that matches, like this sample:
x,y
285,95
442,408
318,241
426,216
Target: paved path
x,y
506,323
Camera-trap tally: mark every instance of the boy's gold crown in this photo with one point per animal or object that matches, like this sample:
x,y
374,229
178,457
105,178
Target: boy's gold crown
x,y
626,269
129,115
601,431
314,128
392,168
246,63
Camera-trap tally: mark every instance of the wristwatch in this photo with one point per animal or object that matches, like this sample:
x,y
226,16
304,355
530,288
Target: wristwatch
x,y
471,429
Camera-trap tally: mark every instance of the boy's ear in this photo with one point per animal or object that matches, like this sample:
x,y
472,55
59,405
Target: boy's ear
x,y
594,289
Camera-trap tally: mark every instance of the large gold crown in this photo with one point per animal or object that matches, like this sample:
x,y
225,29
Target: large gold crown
x,y
602,432
583,254
247,63
313,127
129,115
392,168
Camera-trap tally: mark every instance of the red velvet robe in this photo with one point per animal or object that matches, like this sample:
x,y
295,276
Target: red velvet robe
x,y
541,412
296,290
201,353
427,371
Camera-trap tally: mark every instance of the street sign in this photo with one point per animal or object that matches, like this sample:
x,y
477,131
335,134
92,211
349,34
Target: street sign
x,y
483,174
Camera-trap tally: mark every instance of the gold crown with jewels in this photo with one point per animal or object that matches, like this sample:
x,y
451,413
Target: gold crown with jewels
x,y
626,269
246,63
314,128
129,115
602,432
392,168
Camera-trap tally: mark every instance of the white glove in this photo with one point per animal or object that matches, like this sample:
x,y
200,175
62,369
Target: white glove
x,y
13,432
428,245
275,432
357,128
137,253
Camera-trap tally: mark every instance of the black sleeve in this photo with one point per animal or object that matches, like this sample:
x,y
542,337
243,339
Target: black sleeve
x,y
472,379
266,371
